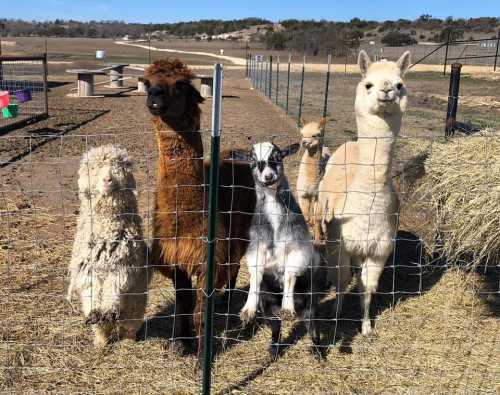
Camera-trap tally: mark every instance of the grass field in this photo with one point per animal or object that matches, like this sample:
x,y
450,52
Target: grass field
x,y
437,328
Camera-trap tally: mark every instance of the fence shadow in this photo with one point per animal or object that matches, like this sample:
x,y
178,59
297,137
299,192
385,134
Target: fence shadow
x,y
228,329
405,276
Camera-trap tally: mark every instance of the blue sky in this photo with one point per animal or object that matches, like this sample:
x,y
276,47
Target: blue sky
x,y
173,11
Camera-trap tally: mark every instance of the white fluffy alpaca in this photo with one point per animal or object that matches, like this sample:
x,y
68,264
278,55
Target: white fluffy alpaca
x,y
357,193
312,166
108,268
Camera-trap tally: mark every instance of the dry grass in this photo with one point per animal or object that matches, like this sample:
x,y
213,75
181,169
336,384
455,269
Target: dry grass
x,y
463,186
434,334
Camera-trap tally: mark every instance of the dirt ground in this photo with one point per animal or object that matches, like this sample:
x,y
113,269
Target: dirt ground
x,y
436,329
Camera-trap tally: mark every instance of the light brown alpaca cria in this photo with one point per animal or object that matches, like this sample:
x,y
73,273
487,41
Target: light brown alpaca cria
x,y
180,222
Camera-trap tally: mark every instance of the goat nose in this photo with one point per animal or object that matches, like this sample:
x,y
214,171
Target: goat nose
x,y
268,177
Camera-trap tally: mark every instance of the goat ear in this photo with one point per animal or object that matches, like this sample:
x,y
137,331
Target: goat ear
x,y
364,62
404,62
322,123
302,121
239,155
290,150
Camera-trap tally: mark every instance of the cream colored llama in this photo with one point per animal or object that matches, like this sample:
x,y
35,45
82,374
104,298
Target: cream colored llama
x,y
311,168
357,193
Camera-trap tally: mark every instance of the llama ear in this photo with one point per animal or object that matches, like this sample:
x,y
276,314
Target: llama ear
x,y
322,123
290,150
404,62
363,62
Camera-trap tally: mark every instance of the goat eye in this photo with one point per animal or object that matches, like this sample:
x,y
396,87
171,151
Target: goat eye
x,y
399,86
368,85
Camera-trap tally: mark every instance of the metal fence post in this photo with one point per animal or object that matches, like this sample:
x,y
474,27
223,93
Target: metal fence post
x,y
325,103
261,72
264,87
45,85
277,79
327,85
446,53
288,82
451,113
212,218
496,52
301,98
270,76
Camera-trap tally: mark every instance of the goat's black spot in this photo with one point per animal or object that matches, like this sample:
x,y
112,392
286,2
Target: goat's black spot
x,y
261,164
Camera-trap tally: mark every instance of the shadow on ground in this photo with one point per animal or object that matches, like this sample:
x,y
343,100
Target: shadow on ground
x,y
406,275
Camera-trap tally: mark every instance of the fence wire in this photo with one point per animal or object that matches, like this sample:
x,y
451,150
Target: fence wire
x,y
436,324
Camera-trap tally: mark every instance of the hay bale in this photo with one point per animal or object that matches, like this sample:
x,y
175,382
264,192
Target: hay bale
x,y
463,186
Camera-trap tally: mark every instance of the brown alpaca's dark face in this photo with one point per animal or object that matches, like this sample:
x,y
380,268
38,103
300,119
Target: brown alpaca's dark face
x,y
171,100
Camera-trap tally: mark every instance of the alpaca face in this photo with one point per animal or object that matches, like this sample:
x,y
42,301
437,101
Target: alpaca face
x,y
382,90
310,135
171,100
266,161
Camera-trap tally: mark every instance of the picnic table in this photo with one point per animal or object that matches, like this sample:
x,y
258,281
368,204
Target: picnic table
x,y
85,78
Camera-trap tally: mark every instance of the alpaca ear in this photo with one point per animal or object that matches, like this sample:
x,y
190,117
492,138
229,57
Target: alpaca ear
x,y
196,95
190,90
290,150
322,123
404,62
363,62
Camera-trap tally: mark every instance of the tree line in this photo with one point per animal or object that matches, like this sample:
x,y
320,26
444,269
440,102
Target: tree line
x,y
115,29
299,35
316,36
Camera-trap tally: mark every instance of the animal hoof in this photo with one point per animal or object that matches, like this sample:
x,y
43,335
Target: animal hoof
x,y
247,315
94,317
110,316
275,350
366,328
287,314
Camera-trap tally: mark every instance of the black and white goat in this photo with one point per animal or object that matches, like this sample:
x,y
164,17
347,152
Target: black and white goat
x,y
281,258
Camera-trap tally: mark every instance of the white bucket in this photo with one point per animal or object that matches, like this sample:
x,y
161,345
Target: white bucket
x,y
99,54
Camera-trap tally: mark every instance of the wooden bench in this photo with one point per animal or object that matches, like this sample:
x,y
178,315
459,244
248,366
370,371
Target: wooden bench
x,y
85,81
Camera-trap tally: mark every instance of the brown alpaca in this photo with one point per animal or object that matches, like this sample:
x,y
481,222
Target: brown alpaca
x,y
180,222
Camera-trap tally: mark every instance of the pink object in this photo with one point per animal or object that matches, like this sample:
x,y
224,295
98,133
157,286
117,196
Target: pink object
x,y
4,99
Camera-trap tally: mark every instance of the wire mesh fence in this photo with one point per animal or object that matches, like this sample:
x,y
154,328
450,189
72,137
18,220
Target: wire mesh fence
x,y
434,329
25,80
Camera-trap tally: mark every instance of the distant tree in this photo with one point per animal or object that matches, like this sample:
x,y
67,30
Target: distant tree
x,y
397,39
456,34
275,40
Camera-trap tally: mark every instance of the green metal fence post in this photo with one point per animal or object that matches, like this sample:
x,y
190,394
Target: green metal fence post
x,y
288,82
301,98
212,218
277,79
496,51
325,103
270,76
446,52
